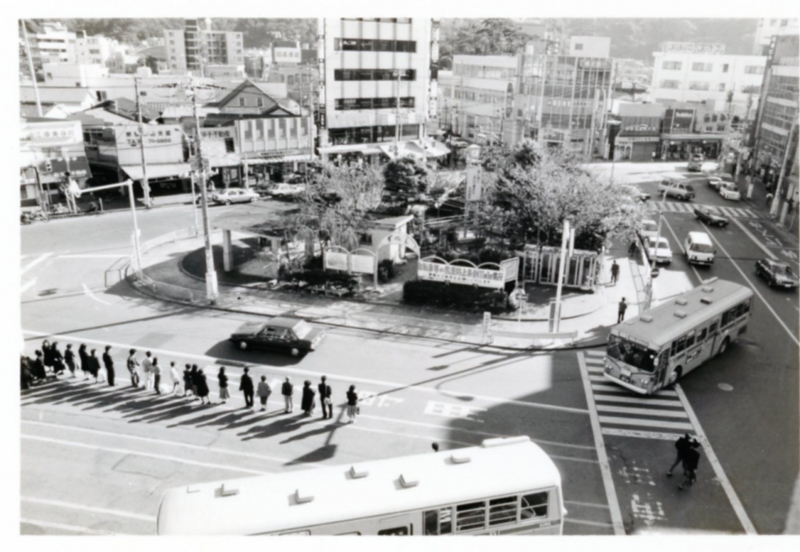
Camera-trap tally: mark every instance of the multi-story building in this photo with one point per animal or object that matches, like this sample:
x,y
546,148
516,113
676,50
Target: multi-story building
x,y
589,46
378,86
688,72
94,49
300,81
55,44
639,131
767,28
192,48
285,52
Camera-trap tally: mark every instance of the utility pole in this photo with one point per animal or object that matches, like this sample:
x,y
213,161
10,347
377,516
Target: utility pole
x,y
311,125
212,290
773,210
397,119
30,67
145,183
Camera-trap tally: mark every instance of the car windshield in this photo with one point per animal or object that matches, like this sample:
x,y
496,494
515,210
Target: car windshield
x,y
713,212
302,329
662,244
689,187
632,354
649,226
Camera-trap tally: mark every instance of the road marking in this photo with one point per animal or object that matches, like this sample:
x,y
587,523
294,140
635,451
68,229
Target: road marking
x,y
753,287
587,504
644,423
714,461
63,527
27,286
602,457
33,263
641,411
145,454
60,504
641,434
89,293
636,400
671,231
91,256
606,387
295,371
449,410
769,253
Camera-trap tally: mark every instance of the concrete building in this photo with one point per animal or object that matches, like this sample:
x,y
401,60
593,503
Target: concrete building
x,y
767,28
55,44
377,88
94,49
589,46
639,134
191,48
688,72
285,52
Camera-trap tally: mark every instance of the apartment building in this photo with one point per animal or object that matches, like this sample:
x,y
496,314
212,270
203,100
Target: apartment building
x,y
767,28
191,48
96,50
696,73
54,44
377,87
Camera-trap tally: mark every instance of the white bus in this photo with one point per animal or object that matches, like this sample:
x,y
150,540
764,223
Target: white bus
x,y
656,348
503,486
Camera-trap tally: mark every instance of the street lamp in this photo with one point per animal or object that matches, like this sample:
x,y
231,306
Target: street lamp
x,y
567,238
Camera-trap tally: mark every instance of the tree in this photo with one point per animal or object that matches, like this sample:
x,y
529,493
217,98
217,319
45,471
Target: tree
x,y
405,180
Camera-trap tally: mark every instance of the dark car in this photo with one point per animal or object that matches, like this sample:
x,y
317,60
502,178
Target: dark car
x,y
280,333
710,216
776,273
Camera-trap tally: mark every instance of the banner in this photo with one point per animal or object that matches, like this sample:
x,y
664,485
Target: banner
x,y
335,261
362,263
510,268
464,275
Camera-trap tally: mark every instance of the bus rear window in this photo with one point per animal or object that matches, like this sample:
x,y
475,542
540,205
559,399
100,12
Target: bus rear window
x,y
633,354
533,505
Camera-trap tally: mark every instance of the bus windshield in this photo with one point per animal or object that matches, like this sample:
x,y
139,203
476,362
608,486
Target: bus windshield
x,y
632,354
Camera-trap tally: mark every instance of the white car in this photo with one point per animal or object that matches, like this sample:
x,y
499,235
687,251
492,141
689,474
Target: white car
x,y
284,190
729,190
660,253
649,229
234,195
716,181
674,188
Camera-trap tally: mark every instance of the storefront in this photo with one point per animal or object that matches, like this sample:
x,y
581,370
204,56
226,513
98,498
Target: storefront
x,y
676,147
636,148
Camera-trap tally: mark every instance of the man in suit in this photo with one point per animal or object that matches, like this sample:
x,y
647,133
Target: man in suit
x,y
325,398
246,387
109,362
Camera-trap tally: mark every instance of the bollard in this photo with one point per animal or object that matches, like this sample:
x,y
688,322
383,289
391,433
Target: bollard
x,y
100,199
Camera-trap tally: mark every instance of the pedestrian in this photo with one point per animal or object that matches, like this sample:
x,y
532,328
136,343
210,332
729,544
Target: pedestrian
x,y
287,390
325,398
691,459
38,369
176,378
57,358
623,306
680,445
769,203
307,402
147,368
352,404
195,371
109,363
633,248
202,387
133,368
246,387
156,376
69,358
84,356
187,380
614,272
26,377
435,447
264,391
224,395
94,365
47,355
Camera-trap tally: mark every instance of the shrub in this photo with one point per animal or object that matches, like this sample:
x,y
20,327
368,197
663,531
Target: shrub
x,y
316,277
454,296
386,271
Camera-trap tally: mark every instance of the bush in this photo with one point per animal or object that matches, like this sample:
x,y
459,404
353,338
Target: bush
x,y
323,278
386,271
454,296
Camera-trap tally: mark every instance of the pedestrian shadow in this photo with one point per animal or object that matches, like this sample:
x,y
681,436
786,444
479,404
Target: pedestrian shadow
x,y
257,418
283,425
327,428
156,410
177,411
325,452
199,420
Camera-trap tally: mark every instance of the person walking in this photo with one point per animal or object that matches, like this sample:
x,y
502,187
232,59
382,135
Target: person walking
x,y
26,377
287,390
69,358
264,391
194,373
147,368
307,402
133,368
246,387
109,364
435,446
94,365
680,445
187,380
176,378
623,306
224,395
47,355
352,404
84,356
202,387
38,369
57,358
691,459
614,272
156,376
325,398
633,248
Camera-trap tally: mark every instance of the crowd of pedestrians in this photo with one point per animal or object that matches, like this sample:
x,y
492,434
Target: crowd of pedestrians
x,y
48,363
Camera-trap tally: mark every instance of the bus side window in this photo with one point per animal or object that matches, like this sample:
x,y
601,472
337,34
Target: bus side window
x,y
701,335
742,309
674,350
503,510
729,316
712,330
533,505
395,531
438,522
681,344
690,340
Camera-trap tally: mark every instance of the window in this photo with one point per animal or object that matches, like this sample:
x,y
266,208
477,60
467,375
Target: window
x,y
369,45
578,46
533,506
679,345
701,335
698,85
725,67
690,340
712,329
470,516
259,102
671,65
729,316
229,147
702,67
242,101
503,510
742,309
721,87
670,84
754,70
402,530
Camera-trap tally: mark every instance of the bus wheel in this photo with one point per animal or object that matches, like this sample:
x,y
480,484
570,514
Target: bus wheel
x,y
724,346
243,345
295,352
676,375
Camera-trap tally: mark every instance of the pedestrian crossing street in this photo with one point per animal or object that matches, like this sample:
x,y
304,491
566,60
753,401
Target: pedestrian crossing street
x,y
683,207
621,412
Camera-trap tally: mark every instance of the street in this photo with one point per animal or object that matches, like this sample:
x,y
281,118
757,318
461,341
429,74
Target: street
x,y
125,446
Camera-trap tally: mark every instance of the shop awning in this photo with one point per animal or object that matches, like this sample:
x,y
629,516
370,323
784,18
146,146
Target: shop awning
x,y
226,160
402,149
692,137
166,170
277,159
434,148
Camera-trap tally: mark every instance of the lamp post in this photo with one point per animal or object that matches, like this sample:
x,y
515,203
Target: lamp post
x,y
565,240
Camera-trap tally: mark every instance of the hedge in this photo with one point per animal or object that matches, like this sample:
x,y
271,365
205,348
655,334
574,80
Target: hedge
x,y
322,278
454,296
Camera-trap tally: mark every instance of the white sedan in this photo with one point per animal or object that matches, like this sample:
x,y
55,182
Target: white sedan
x,y
234,195
729,190
660,253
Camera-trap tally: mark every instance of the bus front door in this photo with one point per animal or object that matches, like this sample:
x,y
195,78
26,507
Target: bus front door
x,y
662,369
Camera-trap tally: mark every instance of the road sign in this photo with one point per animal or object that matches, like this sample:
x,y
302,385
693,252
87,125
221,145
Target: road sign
x,y
654,273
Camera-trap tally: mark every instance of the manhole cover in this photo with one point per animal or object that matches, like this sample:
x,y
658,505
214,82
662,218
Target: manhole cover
x,y
725,386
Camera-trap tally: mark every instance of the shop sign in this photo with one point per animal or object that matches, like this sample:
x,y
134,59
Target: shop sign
x,y
568,103
335,261
510,268
51,134
636,139
641,127
362,263
464,275
586,63
217,133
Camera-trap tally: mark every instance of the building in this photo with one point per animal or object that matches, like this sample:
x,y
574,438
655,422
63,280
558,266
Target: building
x,y
767,28
54,44
285,52
94,49
192,48
688,72
639,134
689,128
377,88
56,102
257,64
589,46
300,80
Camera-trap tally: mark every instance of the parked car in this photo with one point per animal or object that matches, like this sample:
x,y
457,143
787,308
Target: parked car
x,y
294,178
649,229
695,162
281,333
710,216
234,195
658,253
287,191
716,181
699,249
776,273
636,193
677,189
729,190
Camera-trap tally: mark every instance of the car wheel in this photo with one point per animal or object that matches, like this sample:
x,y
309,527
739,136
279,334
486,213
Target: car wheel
x,y
676,375
771,282
295,352
243,345
724,346
227,202
251,200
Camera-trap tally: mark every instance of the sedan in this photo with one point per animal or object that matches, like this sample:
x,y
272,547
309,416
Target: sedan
x,y
660,253
710,216
715,182
234,195
649,229
729,190
287,191
281,333
776,273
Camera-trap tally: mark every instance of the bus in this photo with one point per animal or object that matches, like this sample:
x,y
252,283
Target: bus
x,y
695,162
503,486
658,347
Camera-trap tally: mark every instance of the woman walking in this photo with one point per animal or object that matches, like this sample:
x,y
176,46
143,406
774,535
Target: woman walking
x,y
176,378
84,356
94,365
187,380
352,403
264,391
37,367
194,374
47,354
307,401
58,359
202,387
69,358
224,394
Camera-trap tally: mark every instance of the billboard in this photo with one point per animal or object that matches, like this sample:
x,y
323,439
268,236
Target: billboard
x,y
464,275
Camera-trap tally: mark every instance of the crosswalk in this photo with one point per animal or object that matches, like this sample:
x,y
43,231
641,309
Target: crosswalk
x,y
680,207
624,413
